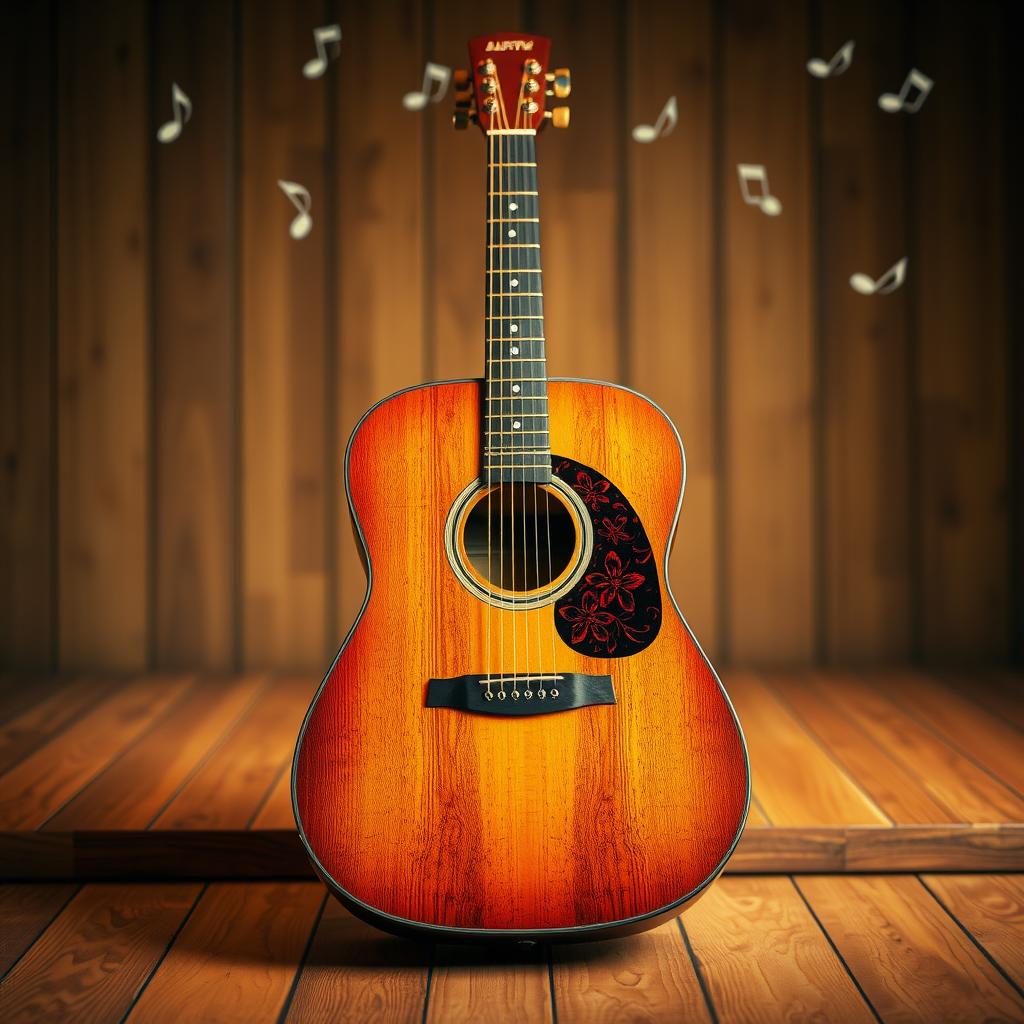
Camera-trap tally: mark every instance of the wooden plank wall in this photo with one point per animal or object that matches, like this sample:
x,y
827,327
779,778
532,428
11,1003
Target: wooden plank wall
x,y
178,377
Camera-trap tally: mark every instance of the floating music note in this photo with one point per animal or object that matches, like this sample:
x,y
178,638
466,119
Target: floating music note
x,y
888,282
842,59
667,120
435,74
181,105
768,203
892,103
315,67
302,201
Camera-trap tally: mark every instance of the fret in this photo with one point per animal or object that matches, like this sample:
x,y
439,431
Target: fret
x,y
513,245
497,193
515,220
512,165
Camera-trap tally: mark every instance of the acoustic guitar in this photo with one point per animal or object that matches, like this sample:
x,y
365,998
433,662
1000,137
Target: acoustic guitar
x,y
520,738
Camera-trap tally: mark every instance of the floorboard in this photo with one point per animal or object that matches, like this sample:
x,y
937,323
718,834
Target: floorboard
x,y
909,956
765,959
94,957
355,973
991,908
26,910
646,977
236,957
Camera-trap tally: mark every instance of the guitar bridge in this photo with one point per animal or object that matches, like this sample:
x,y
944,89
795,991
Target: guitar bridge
x,y
515,695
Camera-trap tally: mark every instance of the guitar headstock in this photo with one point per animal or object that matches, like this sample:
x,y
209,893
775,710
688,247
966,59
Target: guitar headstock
x,y
508,84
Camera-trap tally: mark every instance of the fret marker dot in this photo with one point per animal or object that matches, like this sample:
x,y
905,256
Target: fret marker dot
x,y
513,206
515,389
514,328
514,282
515,350
516,425
512,233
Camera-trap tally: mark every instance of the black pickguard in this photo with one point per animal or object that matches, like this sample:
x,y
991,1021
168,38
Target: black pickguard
x,y
615,608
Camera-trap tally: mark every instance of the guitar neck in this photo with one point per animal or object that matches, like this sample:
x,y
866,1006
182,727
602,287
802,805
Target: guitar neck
x,y
516,445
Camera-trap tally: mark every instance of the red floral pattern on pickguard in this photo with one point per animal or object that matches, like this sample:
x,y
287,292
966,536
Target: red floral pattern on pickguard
x,y
615,609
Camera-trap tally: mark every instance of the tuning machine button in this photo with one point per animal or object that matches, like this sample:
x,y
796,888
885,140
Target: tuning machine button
x,y
532,67
560,82
462,118
559,117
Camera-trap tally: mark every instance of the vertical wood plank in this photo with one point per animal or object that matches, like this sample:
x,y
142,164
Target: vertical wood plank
x,y
765,959
909,957
671,266
768,338
380,240
960,293
90,963
236,956
457,198
193,343
580,180
865,387
27,322
103,325
284,355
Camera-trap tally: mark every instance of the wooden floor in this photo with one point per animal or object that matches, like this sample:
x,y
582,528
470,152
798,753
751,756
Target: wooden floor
x,y
844,948
178,776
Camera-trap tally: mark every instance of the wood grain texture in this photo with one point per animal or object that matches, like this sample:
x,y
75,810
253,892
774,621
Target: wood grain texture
x,y
40,784
26,910
909,957
796,781
380,273
236,956
864,348
229,787
991,908
646,977
165,756
285,134
588,832
24,733
998,692
103,314
896,789
671,269
985,739
580,176
768,339
193,339
276,811
27,338
354,972
764,958
960,291
491,986
948,775
91,962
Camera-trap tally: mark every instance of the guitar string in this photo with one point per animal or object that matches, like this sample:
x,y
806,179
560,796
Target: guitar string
x,y
488,482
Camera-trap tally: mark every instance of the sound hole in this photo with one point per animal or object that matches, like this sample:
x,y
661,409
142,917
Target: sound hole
x,y
518,556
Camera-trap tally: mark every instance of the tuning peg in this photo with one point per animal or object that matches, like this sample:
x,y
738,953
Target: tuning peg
x,y
462,118
559,117
461,80
561,85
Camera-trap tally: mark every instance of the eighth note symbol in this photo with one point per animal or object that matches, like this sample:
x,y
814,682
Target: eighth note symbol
x,y
434,73
667,120
302,201
891,103
836,66
768,203
181,104
888,282
315,67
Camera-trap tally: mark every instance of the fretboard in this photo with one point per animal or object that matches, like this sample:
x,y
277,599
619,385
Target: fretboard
x,y
515,442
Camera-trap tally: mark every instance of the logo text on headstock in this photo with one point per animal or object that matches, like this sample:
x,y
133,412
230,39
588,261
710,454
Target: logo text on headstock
x,y
509,44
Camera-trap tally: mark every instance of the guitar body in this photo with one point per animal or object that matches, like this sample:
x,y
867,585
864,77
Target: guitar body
x,y
573,823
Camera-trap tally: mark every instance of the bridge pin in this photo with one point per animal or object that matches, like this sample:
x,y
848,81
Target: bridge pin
x,y
501,695
542,694
515,695
554,693
528,694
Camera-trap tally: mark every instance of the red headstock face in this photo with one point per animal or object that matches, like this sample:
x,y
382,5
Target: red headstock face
x,y
508,80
